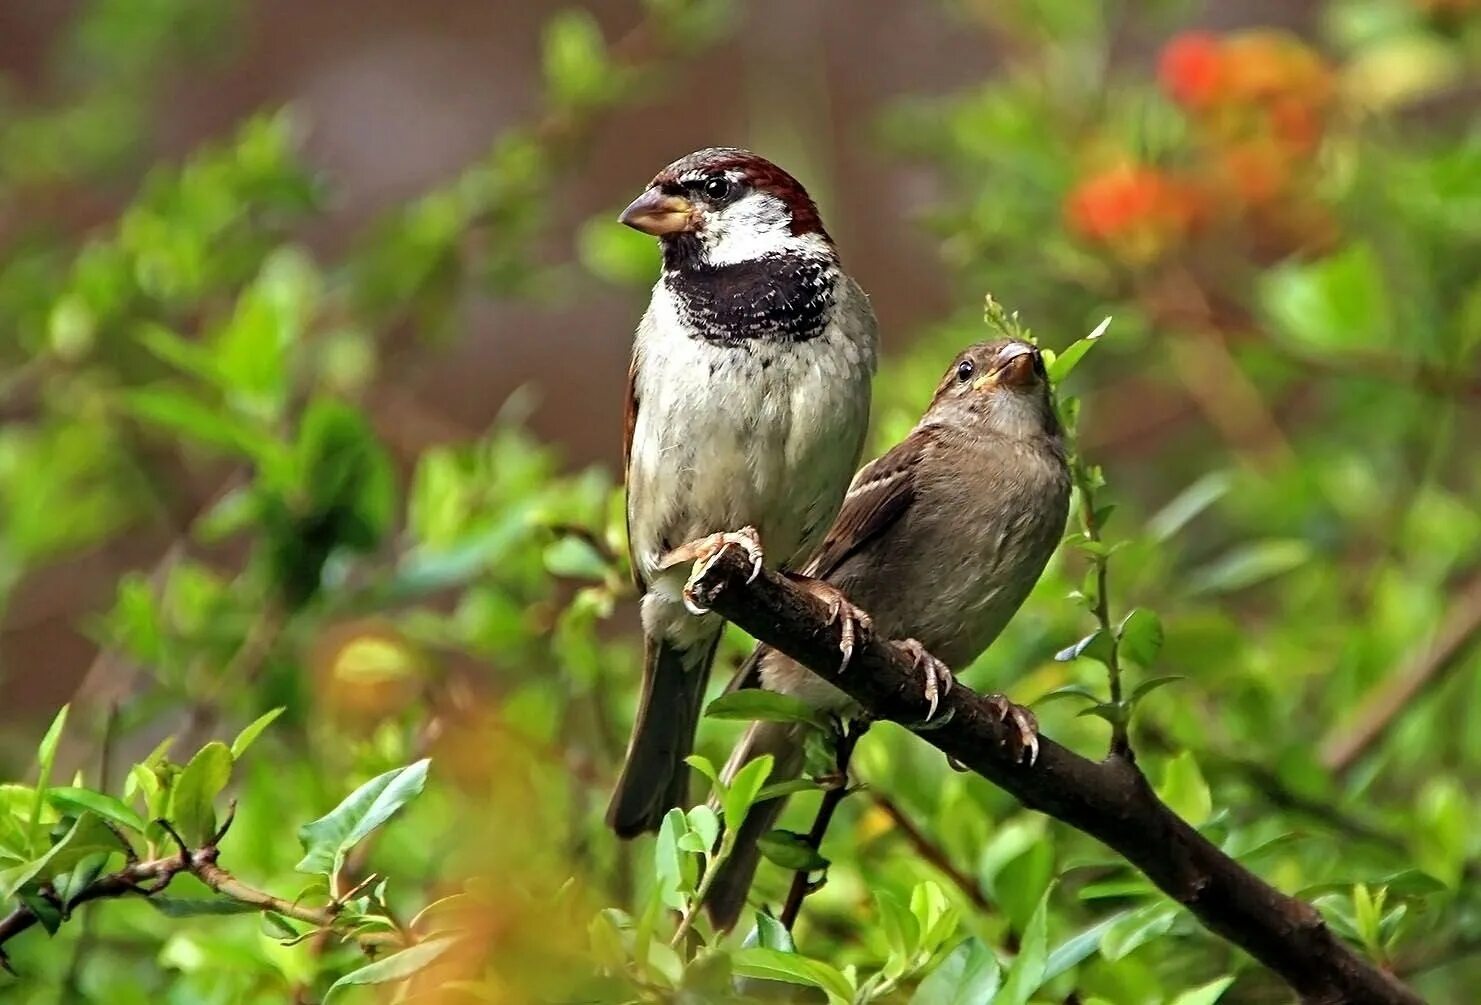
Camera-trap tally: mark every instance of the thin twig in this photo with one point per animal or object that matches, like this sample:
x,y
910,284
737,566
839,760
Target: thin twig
x,y
802,884
931,852
1424,667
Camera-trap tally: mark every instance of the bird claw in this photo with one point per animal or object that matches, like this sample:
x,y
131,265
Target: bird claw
x,y
705,552
1025,723
854,624
938,675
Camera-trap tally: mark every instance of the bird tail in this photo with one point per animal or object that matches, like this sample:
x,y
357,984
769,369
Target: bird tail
x,y
785,743
654,776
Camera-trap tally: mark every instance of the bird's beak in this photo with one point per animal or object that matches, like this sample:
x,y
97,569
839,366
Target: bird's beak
x,y
1017,365
657,213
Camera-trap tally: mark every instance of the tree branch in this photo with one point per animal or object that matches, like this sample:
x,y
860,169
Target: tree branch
x,y
152,876
1110,800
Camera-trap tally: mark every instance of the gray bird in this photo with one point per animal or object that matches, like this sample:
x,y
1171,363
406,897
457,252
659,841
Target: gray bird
x,y
747,406
940,540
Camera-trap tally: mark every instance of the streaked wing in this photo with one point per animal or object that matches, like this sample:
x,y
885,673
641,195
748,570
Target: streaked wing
x,y
881,493
630,423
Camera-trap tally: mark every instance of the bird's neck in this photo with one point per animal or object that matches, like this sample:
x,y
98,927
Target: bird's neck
x,y
786,296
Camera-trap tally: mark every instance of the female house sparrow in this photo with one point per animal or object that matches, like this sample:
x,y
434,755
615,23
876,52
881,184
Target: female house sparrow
x,y
747,405
941,539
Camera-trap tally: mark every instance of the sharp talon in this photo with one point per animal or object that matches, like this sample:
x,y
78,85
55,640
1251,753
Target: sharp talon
x,y
938,675
955,765
1023,721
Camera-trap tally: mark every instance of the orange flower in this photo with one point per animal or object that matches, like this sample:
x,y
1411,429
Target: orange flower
x,y
1138,211
1191,69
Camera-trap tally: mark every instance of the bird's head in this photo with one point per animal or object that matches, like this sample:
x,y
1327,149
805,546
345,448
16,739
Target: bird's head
x,y
724,205
1002,383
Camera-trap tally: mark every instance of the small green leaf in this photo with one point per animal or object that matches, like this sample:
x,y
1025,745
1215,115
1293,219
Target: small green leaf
x,y
902,932
1206,994
673,868
193,419
1246,566
1066,361
1135,929
772,965
573,557
394,968
1095,646
754,704
1184,790
777,790
770,933
1151,684
254,729
1140,636
1068,691
741,794
970,975
1079,947
46,755
326,840
74,800
1026,974
192,803
704,823
791,850
575,58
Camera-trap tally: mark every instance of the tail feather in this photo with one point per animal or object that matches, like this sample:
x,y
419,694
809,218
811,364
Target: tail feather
x,y
654,776
732,884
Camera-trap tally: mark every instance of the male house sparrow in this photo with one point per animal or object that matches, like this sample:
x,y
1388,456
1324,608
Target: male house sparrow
x,y
940,540
747,405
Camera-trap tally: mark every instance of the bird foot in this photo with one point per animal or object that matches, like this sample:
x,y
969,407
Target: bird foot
x,y
853,623
1027,740
705,552
937,674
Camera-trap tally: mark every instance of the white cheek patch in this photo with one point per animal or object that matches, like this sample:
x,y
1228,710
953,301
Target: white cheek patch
x,y
754,226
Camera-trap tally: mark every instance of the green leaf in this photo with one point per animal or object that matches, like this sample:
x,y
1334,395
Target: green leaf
x,y
969,975
1184,790
1066,361
75,801
254,729
1206,994
350,478
13,879
1026,974
1246,566
1140,636
190,418
673,868
619,255
754,704
1337,304
1135,929
902,932
1095,646
328,839
791,850
1187,504
1078,948
705,767
192,803
704,823
1068,691
777,790
572,557
1151,684
741,794
397,967
770,933
46,755
773,965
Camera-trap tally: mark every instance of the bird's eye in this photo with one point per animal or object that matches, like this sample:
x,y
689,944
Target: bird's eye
x,y
717,187
964,371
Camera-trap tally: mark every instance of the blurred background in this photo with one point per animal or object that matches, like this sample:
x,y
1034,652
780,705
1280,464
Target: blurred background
x,y
314,321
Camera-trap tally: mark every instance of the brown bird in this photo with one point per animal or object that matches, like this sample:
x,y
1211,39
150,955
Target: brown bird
x,y
748,401
940,540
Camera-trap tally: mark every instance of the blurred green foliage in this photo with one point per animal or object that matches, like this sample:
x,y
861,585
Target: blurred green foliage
x,y
1289,240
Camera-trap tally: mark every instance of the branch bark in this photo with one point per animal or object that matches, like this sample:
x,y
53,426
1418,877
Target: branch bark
x,y
1110,800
